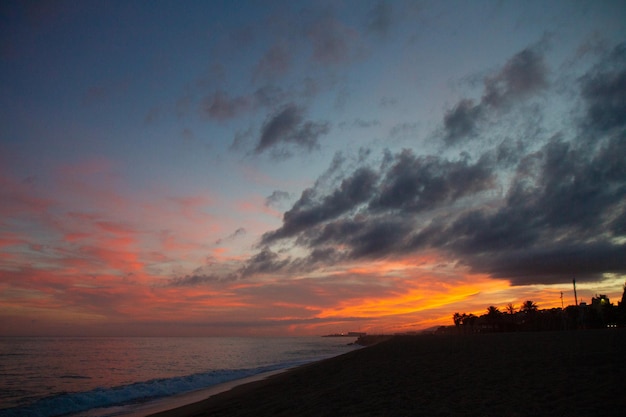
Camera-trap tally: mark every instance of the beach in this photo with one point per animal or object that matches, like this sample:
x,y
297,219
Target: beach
x,y
577,373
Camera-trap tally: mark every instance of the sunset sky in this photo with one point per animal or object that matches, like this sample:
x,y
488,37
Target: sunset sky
x,y
301,168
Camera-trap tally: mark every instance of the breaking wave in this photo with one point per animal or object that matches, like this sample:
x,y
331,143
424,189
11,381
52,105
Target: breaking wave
x,y
76,402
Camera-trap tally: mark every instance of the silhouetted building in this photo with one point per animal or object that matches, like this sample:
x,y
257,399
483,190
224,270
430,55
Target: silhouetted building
x,y
599,301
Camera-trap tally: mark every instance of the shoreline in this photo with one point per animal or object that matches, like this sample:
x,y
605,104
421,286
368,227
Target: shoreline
x,y
79,377
505,374
176,401
165,404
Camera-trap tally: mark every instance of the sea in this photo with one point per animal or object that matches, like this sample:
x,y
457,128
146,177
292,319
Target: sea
x,y
120,376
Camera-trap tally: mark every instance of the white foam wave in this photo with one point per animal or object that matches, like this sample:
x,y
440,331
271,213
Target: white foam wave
x,y
76,402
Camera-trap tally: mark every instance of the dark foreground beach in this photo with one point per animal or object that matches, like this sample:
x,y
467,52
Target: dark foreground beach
x,y
581,373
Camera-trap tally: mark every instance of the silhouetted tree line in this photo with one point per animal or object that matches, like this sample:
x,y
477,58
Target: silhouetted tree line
x,y
601,313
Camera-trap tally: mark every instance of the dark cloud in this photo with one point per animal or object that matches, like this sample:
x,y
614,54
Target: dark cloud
x,y
308,212
524,74
418,183
372,239
356,238
321,255
461,121
371,213
281,127
263,262
604,91
618,224
276,197
568,203
508,152
554,264
289,127
266,261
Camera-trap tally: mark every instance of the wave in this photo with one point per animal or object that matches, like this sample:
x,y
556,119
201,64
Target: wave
x,y
76,402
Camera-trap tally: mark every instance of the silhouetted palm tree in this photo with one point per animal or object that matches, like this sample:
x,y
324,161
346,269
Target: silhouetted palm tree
x,y
469,319
493,312
493,316
457,318
529,307
510,308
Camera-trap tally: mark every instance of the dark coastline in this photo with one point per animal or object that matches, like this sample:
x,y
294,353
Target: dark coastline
x,y
575,373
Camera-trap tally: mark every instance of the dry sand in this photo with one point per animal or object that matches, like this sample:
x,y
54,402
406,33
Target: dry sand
x,y
580,373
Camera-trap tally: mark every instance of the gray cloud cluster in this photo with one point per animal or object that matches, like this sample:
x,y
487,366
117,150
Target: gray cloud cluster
x,y
374,213
307,213
531,214
325,40
527,207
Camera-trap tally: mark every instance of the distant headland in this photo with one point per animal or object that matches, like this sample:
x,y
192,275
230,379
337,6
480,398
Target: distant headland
x,y
349,334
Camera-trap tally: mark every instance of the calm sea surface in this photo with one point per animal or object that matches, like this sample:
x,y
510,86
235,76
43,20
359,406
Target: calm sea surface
x,y
47,377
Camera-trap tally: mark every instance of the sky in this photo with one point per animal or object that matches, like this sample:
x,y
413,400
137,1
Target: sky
x,y
302,168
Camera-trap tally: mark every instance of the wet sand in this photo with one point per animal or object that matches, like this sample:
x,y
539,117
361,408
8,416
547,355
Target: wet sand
x,y
580,373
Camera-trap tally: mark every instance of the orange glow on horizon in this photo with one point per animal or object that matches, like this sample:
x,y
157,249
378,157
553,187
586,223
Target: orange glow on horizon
x,y
415,299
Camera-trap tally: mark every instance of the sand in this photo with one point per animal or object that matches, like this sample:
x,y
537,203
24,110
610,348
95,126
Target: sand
x,y
581,373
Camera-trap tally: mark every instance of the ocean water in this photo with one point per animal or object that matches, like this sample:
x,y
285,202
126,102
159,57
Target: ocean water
x,y
46,377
